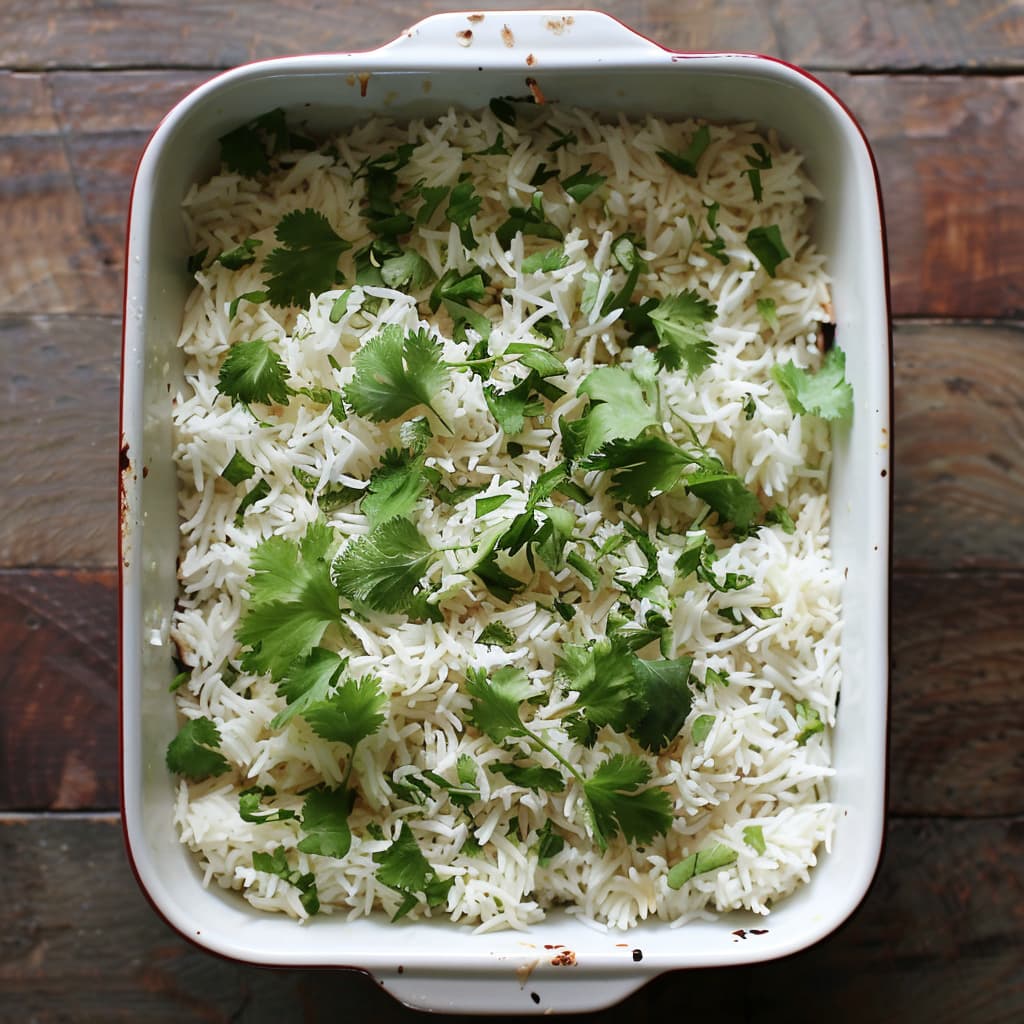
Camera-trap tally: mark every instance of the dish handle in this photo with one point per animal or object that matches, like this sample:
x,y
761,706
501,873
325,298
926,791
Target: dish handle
x,y
521,39
526,987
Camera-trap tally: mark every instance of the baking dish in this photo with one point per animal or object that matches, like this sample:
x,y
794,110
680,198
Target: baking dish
x,y
574,58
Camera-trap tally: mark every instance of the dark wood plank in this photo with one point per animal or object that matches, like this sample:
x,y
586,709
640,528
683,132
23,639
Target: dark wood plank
x,y
938,939
214,33
948,151
58,698
957,737
60,502
959,436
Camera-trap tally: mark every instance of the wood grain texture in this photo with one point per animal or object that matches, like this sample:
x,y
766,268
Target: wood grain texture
x,y
58,696
940,939
957,733
959,435
214,33
60,501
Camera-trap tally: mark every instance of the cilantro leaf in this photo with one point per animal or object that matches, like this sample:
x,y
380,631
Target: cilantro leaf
x,y
409,271
528,220
463,204
292,601
679,321
826,393
325,822
307,261
194,752
699,863
753,836
495,701
308,682
701,727
383,569
767,245
780,514
530,776
760,161
511,408
768,313
238,469
583,184
620,406
257,492
699,556
497,634
249,803
257,296
686,162
808,722
666,694
545,261
549,845
247,149
643,467
455,291
602,673
626,254
351,713
394,488
726,494
241,256
277,864
404,868
254,372
395,372
616,805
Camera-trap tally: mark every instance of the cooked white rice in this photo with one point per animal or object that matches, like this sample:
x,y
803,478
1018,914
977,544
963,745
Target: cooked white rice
x,y
750,768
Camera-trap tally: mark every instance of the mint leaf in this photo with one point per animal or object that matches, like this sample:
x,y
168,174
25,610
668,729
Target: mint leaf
x,y
307,261
195,752
826,393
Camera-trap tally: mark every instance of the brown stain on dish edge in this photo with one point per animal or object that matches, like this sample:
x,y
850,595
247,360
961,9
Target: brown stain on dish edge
x,y
474,18
465,37
559,25
538,96
507,37
567,958
530,60
364,81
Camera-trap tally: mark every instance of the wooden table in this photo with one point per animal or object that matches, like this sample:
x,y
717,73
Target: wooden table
x,y
939,88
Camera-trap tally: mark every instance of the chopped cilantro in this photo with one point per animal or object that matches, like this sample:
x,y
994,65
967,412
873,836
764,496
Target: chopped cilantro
x,y
306,682
325,821
546,261
250,806
753,836
258,491
701,727
808,722
195,751
238,469
528,220
760,161
241,256
463,204
530,776
780,514
768,313
700,863
581,185
247,149
403,867
767,245
686,162
826,393
277,864
621,405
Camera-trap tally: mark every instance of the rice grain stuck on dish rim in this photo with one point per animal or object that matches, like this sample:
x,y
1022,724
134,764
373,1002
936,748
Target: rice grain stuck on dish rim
x,y
755,766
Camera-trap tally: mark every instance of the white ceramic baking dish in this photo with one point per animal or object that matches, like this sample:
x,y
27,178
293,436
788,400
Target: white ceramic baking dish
x,y
591,60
